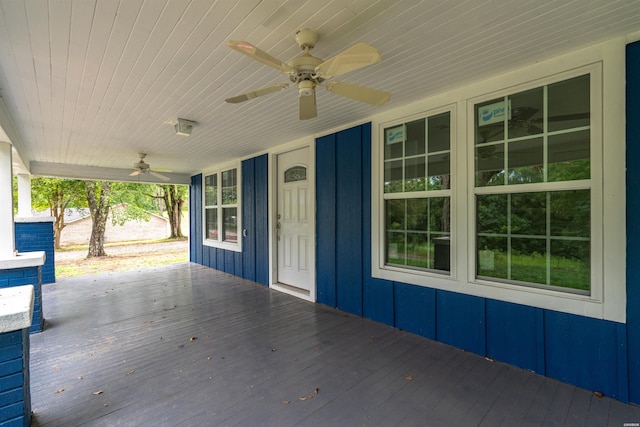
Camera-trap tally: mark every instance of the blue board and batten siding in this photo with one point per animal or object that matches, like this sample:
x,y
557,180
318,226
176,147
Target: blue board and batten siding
x,y
253,262
594,354
633,225
588,352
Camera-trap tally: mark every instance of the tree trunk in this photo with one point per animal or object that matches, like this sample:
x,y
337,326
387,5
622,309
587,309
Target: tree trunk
x,y
98,198
173,202
57,208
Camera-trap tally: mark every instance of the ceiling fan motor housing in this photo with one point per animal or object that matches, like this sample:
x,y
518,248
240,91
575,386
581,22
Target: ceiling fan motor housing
x,y
306,38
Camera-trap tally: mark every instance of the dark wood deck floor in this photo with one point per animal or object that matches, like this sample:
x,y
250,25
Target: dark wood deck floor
x,y
190,346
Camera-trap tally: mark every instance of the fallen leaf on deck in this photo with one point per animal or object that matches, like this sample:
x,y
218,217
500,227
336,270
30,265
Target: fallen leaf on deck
x,y
106,404
286,402
409,377
295,359
273,349
310,396
488,359
316,391
209,358
97,392
193,338
373,337
57,368
60,390
181,346
598,393
129,373
79,377
302,398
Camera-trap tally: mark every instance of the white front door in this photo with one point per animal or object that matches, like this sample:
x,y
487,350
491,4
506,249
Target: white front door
x,y
294,222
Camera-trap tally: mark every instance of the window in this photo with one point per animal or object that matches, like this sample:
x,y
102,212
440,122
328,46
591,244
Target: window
x,y
533,198
417,186
526,196
221,209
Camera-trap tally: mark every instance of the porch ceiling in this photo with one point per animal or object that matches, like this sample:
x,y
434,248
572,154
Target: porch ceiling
x,y
86,85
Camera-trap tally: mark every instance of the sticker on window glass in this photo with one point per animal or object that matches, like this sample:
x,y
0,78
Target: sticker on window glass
x,y
395,135
493,113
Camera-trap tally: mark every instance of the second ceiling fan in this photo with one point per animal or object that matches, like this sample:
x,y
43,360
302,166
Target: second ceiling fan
x,y
307,72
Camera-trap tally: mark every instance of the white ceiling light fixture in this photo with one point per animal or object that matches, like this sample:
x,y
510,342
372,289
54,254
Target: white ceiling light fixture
x,y
183,127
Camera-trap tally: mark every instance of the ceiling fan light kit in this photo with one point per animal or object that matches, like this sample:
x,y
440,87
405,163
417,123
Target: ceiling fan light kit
x,y
307,72
183,127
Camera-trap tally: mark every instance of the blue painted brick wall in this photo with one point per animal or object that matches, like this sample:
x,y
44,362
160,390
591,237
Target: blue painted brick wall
x,y
38,236
27,276
15,396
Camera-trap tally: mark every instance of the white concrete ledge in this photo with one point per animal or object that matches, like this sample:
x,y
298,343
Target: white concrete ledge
x,y
24,259
16,308
33,219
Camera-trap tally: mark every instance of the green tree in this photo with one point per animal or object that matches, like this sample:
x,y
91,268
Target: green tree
x,y
56,195
174,197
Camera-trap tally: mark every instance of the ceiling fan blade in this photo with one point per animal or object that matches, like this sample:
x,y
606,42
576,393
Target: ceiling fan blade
x,y
135,173
351,59
256,93
308,109
359,93
259,55
159,176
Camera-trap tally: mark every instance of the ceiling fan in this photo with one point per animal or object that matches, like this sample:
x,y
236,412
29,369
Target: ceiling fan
x,y
307,72
142,168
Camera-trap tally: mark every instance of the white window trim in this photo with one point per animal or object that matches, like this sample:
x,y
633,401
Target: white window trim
x,y
236,247
608,288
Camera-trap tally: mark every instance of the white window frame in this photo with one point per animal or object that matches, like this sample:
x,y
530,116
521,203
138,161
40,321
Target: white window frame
x,y
237,246
451,109
607,300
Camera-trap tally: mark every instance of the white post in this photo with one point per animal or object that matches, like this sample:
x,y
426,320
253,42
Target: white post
x,y
7,231
24,195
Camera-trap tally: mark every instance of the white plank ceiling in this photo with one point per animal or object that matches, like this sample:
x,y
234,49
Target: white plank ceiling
x,y
85,85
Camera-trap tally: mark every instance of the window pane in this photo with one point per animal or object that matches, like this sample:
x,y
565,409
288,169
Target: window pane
x,y
529,214
526,161
491,213
296,173
415,143
490,121
569,104
526,113
395,248
230,225
439,215
570,264
490,165
395,214
417,219
211,190
229,187
569,155
212,224
492,257
570,213
417,232
529,260
419,254
393,177
414,174
439,172
440,132
393,142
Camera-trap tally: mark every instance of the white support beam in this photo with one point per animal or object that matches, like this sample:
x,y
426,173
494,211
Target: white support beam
x,y
24,195
7,230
